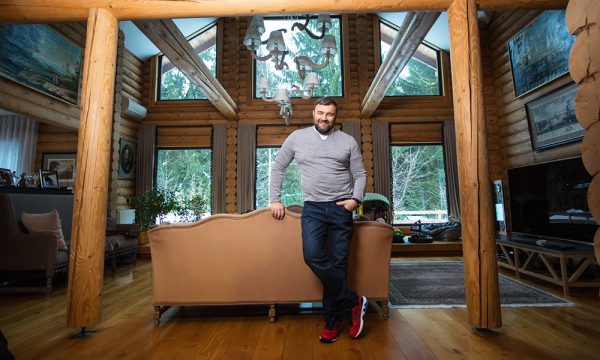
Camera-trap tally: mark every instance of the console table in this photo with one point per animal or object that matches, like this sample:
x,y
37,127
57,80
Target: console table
x,y
573,260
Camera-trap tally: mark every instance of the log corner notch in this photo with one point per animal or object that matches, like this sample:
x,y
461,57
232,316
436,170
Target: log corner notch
x,y
583,20
172,43
479,238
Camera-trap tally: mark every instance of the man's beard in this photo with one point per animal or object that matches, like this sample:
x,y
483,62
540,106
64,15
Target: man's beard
x,y
324,131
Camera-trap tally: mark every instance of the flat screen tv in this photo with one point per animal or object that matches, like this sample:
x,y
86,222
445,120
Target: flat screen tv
x,y
551,200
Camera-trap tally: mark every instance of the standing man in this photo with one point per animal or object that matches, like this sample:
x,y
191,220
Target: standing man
x,y
333,185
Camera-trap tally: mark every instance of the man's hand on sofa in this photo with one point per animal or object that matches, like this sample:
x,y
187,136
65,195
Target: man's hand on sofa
x,y
277,210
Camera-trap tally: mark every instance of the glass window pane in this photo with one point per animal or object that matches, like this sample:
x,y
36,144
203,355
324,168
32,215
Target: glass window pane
x,y
300,43
418,184
188,173
174,85
291,190
420,76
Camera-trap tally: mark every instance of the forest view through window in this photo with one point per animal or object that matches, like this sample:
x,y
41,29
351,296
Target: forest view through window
x,y
300,43
420,76
291,190
188,174
418,184
174,85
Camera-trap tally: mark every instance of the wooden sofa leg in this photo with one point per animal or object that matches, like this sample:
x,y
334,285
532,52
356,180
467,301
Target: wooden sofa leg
x,y
385,309
157,313
272,313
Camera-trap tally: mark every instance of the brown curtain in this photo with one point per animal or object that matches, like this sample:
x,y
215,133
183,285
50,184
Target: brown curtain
x,y
219,162
246,169
381,158
451,171
144,170
352,129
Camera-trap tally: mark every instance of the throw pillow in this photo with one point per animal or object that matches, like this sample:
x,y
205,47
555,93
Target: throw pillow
x,y
45,223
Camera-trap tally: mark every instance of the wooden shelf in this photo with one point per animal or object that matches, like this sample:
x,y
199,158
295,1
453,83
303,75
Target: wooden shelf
x,y
436,247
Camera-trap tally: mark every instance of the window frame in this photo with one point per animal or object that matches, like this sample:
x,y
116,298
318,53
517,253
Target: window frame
x,y
399,144
155,64
256,172
443,70
155,168
345,62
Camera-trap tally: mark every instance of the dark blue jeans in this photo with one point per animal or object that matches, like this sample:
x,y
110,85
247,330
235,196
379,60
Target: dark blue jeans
x,y
326,236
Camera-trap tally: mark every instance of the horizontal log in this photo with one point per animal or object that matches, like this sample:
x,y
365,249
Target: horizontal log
x,y
185,131
587,103
585,55
590,149
581,13
65,10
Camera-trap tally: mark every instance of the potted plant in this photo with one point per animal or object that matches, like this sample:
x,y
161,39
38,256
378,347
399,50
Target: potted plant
x,y
153,204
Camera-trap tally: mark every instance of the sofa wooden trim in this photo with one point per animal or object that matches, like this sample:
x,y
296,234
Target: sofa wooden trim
x,y
255,259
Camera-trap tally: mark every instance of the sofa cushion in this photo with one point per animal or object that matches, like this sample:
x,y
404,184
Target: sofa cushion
x,y
45,223
119,242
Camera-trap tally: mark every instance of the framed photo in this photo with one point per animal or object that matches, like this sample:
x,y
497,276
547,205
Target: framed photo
x,y
6,178
552,120
127,156
540,52
49,179
65,166
47,61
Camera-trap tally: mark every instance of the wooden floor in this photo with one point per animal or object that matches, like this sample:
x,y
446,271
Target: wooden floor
x,y
35,328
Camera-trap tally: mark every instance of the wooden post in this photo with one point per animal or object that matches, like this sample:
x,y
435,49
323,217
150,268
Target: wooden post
x,y
479,242
84,300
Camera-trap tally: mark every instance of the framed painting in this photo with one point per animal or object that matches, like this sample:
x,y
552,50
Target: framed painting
x,y
49,179
540,52
65,166
36,56
552,120
127,156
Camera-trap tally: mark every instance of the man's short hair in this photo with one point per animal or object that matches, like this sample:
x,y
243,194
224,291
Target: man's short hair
x,y
325,100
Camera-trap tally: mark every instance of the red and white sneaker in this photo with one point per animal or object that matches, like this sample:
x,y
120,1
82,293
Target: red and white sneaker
x,y
330,332
358,313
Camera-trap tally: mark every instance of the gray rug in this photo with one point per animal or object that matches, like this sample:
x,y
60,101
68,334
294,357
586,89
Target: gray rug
x,y
441,284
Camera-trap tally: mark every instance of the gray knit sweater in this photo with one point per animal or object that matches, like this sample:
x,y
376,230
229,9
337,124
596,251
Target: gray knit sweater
x,y
330,169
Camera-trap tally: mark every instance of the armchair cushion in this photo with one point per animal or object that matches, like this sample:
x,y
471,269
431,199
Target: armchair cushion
x,y
45,223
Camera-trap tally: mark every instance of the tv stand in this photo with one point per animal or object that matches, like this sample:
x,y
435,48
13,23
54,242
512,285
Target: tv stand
x,y
573,260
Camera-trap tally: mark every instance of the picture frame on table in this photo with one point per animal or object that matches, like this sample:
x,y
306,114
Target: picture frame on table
x,y
48,62
49,179
539,53
551,118
65,165
6,178
127,158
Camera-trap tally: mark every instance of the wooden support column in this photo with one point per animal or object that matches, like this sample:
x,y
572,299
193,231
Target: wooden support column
x,y
84,300
479,242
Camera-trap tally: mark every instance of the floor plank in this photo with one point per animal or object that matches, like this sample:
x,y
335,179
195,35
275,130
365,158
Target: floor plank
x,y
35,327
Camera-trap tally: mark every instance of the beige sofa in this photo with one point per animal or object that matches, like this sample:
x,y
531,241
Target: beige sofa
x,y
255,259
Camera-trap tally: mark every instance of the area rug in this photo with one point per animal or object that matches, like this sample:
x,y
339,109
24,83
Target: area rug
x,y
440,284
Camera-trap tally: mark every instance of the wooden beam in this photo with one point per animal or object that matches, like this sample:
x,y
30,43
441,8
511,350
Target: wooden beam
x,y
74,10
171,42
479,241
413,30
86,271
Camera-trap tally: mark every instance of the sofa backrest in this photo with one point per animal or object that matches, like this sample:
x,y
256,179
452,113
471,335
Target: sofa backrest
x,y
43,203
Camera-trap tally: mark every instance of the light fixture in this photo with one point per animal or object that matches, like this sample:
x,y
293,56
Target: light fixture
x,y
278,50
323,23
282,95
275,43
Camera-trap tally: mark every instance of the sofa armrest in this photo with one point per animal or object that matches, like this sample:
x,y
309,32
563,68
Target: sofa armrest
x,y
21,252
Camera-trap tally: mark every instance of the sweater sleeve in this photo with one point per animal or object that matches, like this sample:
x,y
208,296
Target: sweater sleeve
x,y
283,159
357,168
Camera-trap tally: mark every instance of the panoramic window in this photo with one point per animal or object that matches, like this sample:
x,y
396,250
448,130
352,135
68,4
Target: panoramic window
x,y
300,43
291,190
418,184
187,173
420,76
174,85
